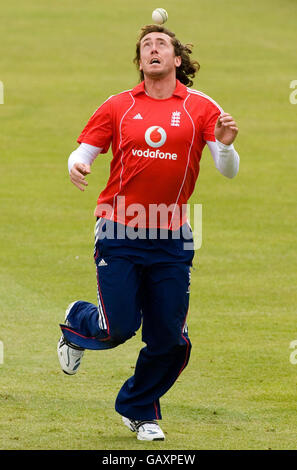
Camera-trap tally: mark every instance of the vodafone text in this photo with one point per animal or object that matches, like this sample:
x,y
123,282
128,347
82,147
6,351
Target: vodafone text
x,y
154,154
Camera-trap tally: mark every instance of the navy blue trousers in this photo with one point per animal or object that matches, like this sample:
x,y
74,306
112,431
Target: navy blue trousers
x,y
141,281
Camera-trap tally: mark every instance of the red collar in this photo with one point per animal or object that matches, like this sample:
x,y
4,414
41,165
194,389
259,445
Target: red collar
x,y
180,89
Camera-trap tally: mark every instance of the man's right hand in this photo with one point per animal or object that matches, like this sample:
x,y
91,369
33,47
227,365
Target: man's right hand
x,y
78,173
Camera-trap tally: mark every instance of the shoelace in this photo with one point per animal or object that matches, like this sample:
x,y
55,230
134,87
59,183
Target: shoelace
x,y
71,345
137,424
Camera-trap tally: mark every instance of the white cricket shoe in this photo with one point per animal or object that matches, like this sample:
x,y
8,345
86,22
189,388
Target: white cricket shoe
x,y
146,430
69,354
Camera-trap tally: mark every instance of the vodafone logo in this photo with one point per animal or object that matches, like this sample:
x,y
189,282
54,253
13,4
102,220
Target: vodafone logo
x,y
155,136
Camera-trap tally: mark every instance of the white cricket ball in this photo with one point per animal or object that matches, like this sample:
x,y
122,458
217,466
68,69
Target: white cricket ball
x,y
159,15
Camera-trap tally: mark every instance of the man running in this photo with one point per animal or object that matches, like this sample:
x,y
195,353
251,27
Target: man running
x,y
157,132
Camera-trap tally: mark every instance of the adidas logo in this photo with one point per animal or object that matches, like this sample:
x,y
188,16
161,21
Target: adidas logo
x,y
102,263
138,116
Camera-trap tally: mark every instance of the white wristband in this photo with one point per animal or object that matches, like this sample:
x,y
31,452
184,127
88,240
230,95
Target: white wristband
x,y
85,153
224,148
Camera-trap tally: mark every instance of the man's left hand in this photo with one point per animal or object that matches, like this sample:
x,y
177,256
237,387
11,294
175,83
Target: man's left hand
x,y
226,129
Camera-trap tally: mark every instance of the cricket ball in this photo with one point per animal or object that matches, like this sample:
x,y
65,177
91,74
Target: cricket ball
x,y
159,16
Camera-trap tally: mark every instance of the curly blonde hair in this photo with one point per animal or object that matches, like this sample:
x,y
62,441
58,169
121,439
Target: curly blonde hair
x,y
188,68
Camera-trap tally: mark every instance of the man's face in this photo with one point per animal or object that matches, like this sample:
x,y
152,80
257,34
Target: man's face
x,y
157,58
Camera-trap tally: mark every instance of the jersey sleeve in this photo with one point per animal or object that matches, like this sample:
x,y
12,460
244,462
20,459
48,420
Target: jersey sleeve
x,y
212,113
98,131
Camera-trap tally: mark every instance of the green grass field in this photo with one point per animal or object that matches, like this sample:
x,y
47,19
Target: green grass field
x,y
59,61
